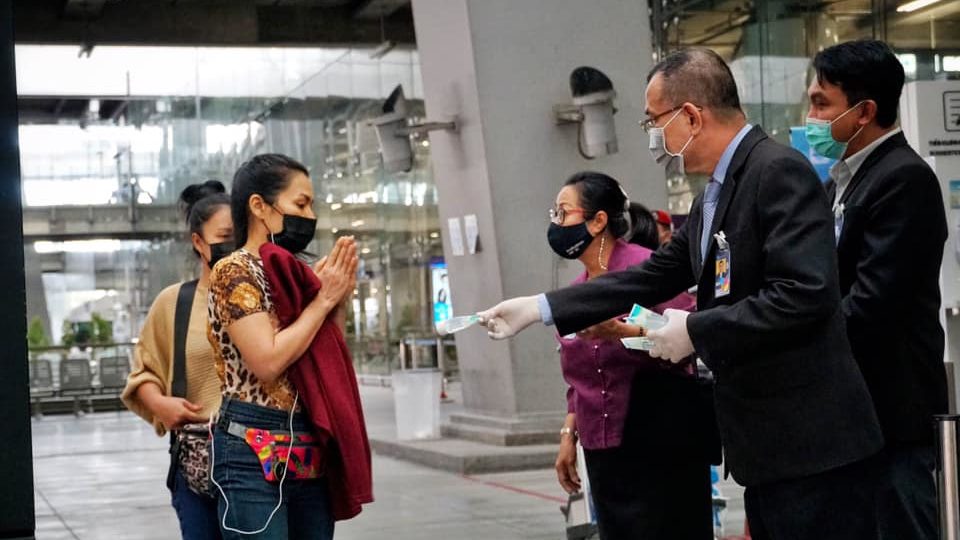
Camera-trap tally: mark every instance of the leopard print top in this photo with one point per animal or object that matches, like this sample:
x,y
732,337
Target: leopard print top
x,y
238,288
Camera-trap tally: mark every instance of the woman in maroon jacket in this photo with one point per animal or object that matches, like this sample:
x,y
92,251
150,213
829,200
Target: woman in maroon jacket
x,y
646,482
262,418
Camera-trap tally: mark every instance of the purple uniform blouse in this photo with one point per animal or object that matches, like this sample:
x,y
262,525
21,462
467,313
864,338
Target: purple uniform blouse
x,y
599,373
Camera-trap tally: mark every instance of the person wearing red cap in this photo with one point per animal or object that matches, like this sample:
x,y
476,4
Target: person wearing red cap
x,y
664,226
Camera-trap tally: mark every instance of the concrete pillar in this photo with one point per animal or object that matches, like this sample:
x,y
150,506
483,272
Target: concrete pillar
x,y
500,66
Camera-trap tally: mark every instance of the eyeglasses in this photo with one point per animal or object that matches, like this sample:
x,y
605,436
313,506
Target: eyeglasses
x,y
651,122
558,214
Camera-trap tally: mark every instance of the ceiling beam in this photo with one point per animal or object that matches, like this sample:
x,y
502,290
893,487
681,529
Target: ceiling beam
x,y
83,8
236,23
374,9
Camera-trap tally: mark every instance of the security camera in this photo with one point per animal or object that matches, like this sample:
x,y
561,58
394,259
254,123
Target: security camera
x,y
592,110
395,148
593,93
394,130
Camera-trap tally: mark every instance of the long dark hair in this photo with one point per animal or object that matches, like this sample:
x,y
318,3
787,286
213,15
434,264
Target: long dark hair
x,y
600,192
198,203
265,175
644,232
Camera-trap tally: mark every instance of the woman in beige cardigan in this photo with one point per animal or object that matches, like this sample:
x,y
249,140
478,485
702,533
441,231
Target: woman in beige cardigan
x,y
149,391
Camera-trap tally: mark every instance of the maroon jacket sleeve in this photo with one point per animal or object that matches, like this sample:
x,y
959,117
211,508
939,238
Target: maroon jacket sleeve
x,y
327,384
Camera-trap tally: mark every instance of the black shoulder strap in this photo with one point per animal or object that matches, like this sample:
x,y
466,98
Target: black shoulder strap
x,y
181,323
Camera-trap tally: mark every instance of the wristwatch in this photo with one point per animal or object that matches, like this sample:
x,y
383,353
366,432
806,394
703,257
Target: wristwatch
x,y
565,430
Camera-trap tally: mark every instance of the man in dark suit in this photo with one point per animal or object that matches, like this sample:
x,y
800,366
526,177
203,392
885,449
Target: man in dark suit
x,y
890,230
797,423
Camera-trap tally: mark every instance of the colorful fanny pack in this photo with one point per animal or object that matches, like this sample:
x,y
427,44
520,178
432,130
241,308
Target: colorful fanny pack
x,y
303,460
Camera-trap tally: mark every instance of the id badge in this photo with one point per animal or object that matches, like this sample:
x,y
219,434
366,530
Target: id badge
x,y
838,221
722,281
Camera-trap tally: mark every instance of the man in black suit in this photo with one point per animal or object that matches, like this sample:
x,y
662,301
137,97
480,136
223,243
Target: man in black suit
x,y
796,419
890,230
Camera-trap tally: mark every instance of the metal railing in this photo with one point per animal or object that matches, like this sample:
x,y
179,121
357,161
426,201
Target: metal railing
x,y
948,481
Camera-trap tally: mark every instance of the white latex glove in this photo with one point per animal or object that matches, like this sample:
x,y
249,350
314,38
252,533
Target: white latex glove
x,y
510,317
672,342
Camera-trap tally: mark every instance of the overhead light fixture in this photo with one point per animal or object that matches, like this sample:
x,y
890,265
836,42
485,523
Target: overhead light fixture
x,y
915,5
386,45
86,49
382,49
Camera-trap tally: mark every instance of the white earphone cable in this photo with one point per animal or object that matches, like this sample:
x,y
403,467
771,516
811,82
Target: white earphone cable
x,y
283,476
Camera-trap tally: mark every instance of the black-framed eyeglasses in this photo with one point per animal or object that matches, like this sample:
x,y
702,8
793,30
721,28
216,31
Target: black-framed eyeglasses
x,y
651,122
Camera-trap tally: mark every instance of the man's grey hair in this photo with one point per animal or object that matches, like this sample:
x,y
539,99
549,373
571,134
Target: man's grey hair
x,y
698,76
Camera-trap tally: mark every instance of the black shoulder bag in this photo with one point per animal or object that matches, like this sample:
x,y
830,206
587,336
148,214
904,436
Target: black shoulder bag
x,y
189,446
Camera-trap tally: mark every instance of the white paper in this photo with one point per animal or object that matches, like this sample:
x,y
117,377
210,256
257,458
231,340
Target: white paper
x,y
472,231
456,236
637,343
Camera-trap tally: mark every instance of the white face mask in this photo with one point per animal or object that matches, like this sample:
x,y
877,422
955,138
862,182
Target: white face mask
x,y
673,163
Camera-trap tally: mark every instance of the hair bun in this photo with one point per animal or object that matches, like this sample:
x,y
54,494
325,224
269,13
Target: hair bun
x,y
194,192
197,192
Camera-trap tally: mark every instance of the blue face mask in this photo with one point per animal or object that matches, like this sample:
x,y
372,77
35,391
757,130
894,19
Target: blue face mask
x,y
820,136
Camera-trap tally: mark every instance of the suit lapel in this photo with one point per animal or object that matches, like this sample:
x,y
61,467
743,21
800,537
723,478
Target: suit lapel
x,y
831,188
729,188
875,156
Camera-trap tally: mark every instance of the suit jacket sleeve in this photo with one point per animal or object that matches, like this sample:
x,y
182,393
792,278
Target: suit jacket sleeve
x,y
908,218
799,282
665,274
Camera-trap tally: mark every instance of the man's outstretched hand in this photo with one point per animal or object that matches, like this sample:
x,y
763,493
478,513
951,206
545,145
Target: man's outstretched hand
x,y
510,317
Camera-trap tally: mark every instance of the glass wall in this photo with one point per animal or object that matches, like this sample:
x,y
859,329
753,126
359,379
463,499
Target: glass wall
x,y
769,44
142,123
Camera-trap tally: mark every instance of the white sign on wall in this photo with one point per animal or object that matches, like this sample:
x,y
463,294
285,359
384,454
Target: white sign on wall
x,y
472,231
456,236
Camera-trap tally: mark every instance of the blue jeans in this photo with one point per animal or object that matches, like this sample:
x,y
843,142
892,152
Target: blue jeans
x,y
197,514
248,499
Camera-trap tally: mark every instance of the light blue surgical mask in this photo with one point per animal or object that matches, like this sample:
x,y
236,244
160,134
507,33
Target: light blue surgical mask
x,y
820,136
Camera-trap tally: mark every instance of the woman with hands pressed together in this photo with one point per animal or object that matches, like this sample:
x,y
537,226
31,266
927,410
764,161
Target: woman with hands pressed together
x,y
260,493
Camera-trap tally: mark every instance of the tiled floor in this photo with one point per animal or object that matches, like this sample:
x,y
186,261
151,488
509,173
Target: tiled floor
x,y
101,477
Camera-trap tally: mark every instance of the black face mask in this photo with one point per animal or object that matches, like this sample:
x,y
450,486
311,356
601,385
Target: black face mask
x,y
220,250
297,233
569,242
